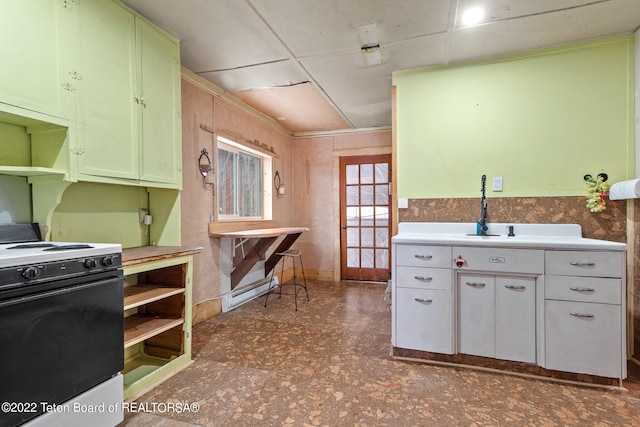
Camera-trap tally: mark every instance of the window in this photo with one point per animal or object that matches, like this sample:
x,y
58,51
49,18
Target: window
x,y
244,190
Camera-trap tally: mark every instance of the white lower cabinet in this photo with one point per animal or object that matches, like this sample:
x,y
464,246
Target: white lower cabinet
x,y
497,316
425,320
562,308
583,337
476,307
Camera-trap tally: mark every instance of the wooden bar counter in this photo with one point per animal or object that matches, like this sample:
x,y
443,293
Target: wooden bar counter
x,y
266,238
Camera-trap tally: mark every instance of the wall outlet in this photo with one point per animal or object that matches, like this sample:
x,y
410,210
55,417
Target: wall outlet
x,y
143,213
497,183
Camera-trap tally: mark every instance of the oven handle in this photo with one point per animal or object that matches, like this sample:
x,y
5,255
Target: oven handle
x,y
59,291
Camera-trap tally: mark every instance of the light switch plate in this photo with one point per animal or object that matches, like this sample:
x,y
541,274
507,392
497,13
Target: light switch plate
x,y
497,183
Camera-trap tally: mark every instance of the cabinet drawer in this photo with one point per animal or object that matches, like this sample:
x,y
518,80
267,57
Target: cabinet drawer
x,y
424,278
584,337
501,260
584,263
585,289
424,320
424,256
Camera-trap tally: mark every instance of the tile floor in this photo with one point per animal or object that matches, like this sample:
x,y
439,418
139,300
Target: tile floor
x,y
328,365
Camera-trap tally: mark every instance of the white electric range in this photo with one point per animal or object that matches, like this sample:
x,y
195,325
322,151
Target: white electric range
x,y
61,325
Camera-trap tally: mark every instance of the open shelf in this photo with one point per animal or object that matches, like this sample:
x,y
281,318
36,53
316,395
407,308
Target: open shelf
x,y
30,171
135,296
140,327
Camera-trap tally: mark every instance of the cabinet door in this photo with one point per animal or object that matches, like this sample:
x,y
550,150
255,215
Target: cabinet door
x,y
159,78
476,313
583,337
30,41
424,320
107,129
516,318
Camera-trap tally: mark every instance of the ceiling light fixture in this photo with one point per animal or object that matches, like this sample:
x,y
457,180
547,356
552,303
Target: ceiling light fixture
x,y
472,16
370,45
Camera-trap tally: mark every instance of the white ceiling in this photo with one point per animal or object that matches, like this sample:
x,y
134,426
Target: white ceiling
x,y
289,57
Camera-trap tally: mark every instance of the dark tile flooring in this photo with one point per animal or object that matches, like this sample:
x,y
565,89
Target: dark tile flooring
x,y
328,364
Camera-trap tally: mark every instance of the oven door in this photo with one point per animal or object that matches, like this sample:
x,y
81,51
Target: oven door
x,y
58,344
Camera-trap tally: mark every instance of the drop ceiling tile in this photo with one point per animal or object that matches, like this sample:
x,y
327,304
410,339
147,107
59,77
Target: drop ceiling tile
x,y
538,31
214,34
330,26
298,108
497,10
364,93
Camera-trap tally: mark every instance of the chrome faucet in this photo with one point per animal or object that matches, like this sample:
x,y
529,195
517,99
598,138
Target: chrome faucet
x,y
482,223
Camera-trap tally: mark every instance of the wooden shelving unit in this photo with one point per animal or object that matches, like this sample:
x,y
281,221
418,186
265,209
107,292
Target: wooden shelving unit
x,y
157,303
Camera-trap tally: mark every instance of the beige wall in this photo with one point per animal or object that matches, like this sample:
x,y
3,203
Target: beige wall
x,y
202,106
316,198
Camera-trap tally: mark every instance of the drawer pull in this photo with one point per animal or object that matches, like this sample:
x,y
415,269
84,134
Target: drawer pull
x,y
586,290
516,287
424,301
423,257
582,315
476,284
582,263
423,278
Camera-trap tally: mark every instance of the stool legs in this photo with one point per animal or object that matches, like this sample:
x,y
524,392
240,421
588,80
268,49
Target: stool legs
x,y
296,287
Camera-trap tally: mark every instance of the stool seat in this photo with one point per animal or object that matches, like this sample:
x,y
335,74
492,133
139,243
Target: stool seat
x,y
290,252
293,254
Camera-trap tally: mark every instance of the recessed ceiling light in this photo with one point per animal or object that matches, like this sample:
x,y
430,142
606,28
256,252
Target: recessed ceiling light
x,y
472,16
281,118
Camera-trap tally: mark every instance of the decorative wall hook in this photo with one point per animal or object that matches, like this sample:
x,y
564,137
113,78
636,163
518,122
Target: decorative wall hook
x,y
204,165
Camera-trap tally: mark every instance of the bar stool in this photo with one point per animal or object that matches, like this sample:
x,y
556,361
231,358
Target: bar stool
x,y
297,287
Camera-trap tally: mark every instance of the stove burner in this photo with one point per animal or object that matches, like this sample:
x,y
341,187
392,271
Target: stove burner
x,y
67,247
32,245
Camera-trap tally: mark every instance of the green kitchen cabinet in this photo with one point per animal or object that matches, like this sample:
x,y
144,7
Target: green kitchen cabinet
x,y
128,99
34,78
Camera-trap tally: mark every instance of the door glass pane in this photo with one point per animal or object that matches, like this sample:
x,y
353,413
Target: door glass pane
x,y
382,194
366,174
353,258
382,172
382,216
367,258
352,196
366,195
382,237
352,174
367,216
367,237
353,236
382,258
353,217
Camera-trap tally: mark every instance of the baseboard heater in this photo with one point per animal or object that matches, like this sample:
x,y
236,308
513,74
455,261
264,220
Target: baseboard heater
x,y
245,294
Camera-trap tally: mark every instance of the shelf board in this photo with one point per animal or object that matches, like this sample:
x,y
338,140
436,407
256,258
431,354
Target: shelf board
x,y
140,327
138,295
30,171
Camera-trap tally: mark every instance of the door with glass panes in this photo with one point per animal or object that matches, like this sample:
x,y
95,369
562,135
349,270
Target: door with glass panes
x,y
365,217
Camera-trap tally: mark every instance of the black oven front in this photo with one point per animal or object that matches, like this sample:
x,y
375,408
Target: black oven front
x,y
59,338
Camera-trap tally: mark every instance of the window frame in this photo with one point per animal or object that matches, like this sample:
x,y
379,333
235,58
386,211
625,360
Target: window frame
x,y
229,145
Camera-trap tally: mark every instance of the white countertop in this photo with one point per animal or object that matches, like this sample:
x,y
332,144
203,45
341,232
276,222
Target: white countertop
x,y
536,236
